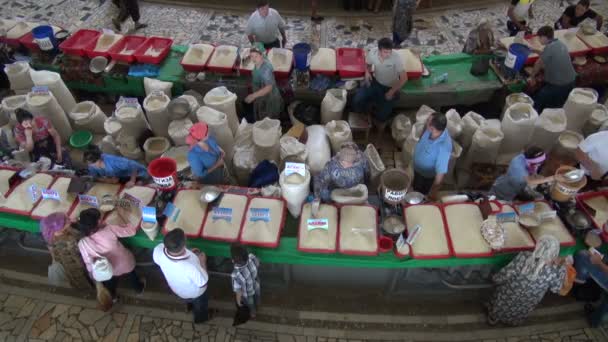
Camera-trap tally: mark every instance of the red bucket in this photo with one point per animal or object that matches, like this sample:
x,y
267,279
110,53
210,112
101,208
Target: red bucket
x,y
385,244
164,173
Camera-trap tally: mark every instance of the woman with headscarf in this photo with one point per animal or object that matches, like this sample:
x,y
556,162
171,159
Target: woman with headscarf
x,y
62,241
206,157
347,169
522,172
522,284
481,39
403,21
266,97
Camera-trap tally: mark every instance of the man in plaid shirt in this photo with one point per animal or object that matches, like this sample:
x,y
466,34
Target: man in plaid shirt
x,y
245,281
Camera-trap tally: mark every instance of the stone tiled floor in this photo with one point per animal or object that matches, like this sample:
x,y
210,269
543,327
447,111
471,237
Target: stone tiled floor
x,y
435,32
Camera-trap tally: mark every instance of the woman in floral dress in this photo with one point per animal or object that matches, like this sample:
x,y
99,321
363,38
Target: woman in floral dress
x,y
403,22
522,284
347,169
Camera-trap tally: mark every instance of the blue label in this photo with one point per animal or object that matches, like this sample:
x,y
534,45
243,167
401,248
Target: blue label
x,y
88,200
222,214
34,192
259,214
171,212
148,214
50,194
526,208
506,217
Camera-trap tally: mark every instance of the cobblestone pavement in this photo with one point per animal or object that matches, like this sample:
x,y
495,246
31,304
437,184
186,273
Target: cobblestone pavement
x,y
437,32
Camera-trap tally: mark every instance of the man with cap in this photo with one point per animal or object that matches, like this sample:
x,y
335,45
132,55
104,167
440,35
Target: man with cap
x,y
206,157
264,26
266,98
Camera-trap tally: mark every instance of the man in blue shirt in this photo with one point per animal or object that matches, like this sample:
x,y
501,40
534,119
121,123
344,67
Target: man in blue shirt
x,y
206,157
431,156
114,169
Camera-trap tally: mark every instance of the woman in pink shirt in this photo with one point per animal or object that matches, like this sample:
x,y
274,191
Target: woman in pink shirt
x,y
102,241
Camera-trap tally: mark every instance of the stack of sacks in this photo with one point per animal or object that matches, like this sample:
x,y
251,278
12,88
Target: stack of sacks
x,y
219,128
43,103
53,81
579,106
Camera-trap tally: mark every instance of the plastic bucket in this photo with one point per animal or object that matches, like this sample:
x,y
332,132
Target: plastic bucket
x,y
517,56
302,55
45,37
81,139
394,184
563,192
385,244
164,173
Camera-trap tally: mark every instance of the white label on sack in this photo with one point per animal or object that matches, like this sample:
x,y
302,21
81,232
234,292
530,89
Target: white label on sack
x,y
148,214
400,242
259,214
164,182
157,93
222,214
45,43
34,193
291,168
317,224
172,212
394,196
510,60
88,200
128,101
50,194
40,90
547,215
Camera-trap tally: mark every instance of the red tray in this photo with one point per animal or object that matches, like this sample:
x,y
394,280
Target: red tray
x,y
463,255
580,198
564,244
328,73
221,70
283,74
23,212
196,67
320,250
28,42
274,244
77,42
214,238
129,42
416,74
159,43
350,62
514,249
92,53
349,252
121,192
70,207
445,230
198,234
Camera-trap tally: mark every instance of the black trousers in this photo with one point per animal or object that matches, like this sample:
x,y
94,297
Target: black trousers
x,y
127,8
112,284
200,308
275,44
422,184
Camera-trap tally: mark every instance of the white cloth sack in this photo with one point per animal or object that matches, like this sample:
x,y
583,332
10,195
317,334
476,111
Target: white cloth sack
x,y
151,85
155,106
112,126
423,113
294,190
89,117
579,106
401,128
131,117
470,123
339,133
244,155
456,154
358,194
292,150
599,115
9,105
56,86
411,141
194,106
550,124
318,145
223,100
179,130
454,123
512,99
7,135
376,165
485,145
154,147
266,136
517,126
219,128
332,106
19,77
109,145
47,106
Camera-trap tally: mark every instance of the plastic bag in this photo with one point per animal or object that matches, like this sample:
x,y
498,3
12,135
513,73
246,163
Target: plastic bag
x,y
454,123
295,188
470,123
318,145
56,274
266,135
401,128
223,100
517,126
578,107
550,124
339,133
355,195
332,106
151,85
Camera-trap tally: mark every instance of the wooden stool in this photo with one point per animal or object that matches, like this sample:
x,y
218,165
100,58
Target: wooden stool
x,y
360,125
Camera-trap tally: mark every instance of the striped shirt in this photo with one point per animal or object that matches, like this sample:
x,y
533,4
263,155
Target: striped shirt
x,y
245,277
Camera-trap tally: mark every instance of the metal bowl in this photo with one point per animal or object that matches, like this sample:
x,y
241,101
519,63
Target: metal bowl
x,y
98,64
414,198
210,193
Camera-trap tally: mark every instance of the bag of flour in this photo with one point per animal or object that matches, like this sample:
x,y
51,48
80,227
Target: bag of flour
x,y
223,100
339,133
470,123
89,117
517,126
550,124
579,106
318,145
266,136
155,106
454,123
151,85
295,189
516,98
423,113
179,130
401,128
599,115
333,105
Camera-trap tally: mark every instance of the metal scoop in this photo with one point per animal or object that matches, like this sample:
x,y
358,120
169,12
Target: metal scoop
x,y
574,175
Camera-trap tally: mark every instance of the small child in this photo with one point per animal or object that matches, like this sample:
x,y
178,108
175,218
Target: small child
x,y
245,280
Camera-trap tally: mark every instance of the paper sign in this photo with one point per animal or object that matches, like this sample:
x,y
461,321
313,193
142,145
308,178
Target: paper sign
x,y
400,242
291,168
34,192
259,214
50,194
148,214
88,200
547,215
129,101
131,199
394,196
222,214
413,234
157,93
172,212
317,224
506,217
526,208
40,90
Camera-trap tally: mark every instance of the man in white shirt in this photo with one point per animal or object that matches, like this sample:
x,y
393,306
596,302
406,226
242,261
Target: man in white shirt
x,y
592,154
519,12
265,25
185,272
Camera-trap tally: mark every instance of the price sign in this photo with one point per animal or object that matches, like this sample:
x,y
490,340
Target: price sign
x,y
88,200
129,101
40,90
413,234
219,213
526,208
50,194
172,212
291,168
34,193
259,214
400,242
506,217
317,224
547,215
148,214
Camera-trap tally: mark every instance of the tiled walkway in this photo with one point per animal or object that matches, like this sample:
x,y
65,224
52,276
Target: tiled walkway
x,y
435,32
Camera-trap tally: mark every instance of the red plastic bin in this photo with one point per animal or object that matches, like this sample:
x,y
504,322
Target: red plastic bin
x,y
196,67
92,53
76,43
219,69
350,62
270,244
344,250
157,43
131,43
580,201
